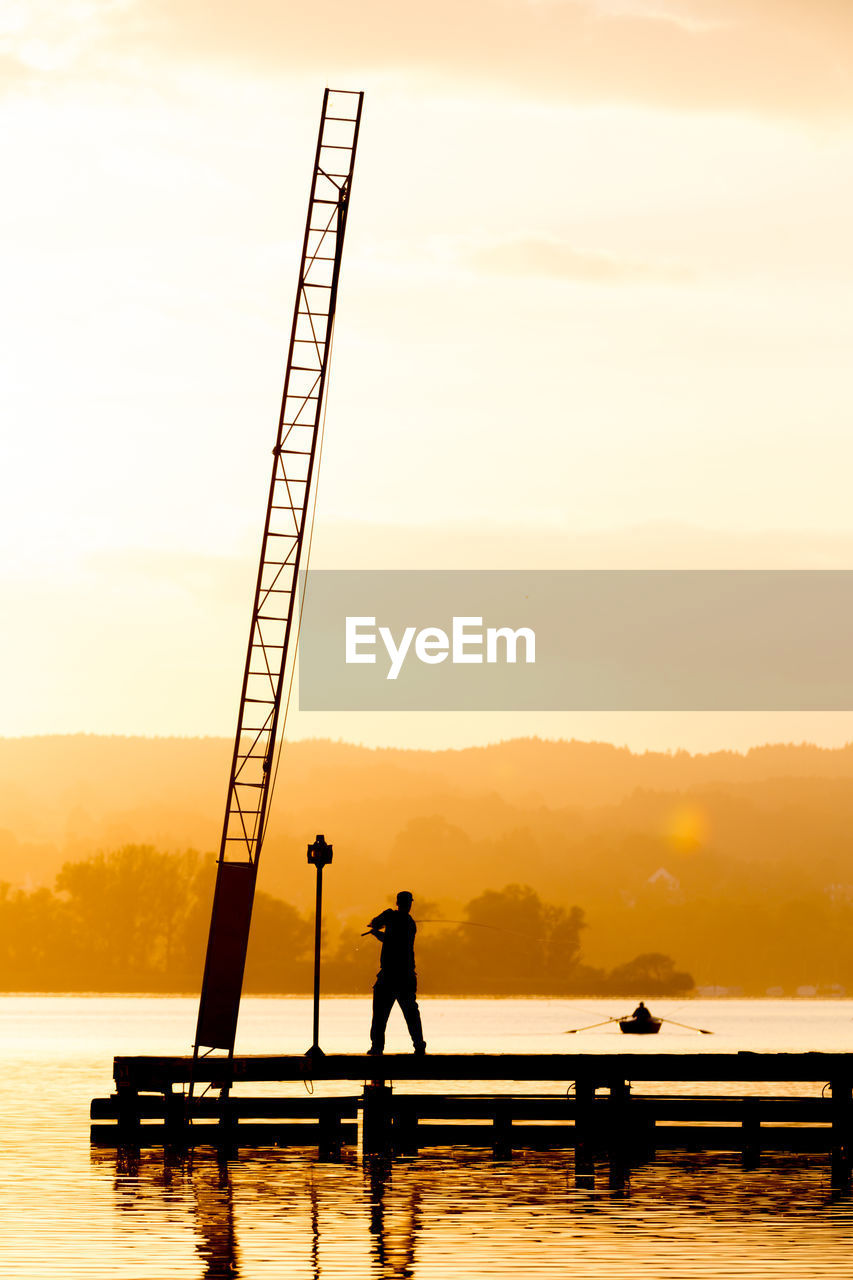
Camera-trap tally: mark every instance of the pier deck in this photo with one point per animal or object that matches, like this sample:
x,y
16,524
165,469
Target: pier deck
x,y
598,1106
151,1073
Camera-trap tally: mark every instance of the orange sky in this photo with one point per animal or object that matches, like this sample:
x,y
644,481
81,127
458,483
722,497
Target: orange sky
x,y
595,310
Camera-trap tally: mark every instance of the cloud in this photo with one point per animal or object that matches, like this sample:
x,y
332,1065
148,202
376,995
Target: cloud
x,y
166,572
676,12
789,57
780,57
40,37
560,261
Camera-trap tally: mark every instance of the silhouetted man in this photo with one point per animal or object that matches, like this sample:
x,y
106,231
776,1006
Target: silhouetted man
x,y
641,1013
396,979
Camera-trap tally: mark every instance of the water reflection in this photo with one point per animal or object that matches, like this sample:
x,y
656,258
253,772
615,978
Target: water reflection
x,y
214,1216
394,1219
284,1213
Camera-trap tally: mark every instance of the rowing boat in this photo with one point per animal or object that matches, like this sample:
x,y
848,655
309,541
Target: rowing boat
x,y
640,1026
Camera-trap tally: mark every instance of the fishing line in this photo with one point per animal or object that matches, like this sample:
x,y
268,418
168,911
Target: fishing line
x,y
473,924
476,924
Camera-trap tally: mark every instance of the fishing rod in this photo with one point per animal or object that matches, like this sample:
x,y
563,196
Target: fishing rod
x,y
679,1007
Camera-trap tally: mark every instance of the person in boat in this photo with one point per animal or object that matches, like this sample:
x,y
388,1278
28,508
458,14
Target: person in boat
x,y
396,979
641,1013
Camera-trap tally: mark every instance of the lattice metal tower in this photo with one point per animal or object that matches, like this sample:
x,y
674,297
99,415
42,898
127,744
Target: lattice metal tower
x,y
272,635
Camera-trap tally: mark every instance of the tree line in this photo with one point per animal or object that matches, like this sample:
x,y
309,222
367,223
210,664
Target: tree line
x,y
741,866
136,919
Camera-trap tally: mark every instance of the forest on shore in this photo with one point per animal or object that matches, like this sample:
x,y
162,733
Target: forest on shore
x,y
739,866
136,920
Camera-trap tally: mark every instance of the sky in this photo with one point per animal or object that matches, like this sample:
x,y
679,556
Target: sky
x,y
595,312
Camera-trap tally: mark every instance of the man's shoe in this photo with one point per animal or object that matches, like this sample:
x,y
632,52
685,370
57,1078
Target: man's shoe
x,y
420,1050
375,1053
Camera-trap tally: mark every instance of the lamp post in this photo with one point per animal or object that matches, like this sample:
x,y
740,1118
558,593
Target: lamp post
x,y
319,855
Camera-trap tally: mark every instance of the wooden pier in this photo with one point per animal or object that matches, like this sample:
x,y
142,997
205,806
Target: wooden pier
x,y
599,1108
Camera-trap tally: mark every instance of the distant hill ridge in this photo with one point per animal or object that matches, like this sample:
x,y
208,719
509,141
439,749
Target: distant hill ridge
x,y
81,791
556,772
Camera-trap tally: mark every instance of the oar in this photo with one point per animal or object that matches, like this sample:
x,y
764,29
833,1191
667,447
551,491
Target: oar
x,y
701,1030
574,1030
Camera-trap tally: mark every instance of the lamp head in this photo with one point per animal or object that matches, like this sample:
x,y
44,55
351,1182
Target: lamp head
x,y
320,853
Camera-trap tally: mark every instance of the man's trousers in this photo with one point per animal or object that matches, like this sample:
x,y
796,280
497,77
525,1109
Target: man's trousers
x,y
404,990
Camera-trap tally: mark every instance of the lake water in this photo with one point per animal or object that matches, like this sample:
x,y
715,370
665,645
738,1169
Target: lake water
x,y
68,1211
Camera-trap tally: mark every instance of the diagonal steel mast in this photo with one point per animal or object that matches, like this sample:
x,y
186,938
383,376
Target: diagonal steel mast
x,y
272,634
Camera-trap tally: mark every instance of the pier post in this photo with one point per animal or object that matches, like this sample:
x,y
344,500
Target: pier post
x,y
751,1130
175,1109
842,1114
376,1117
618,1123
403,1121
502,1125
618,1133
227,1138
584,1127
128,1115
330,1137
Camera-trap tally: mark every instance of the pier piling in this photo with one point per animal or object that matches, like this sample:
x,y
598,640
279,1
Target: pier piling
x,y
376,1118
